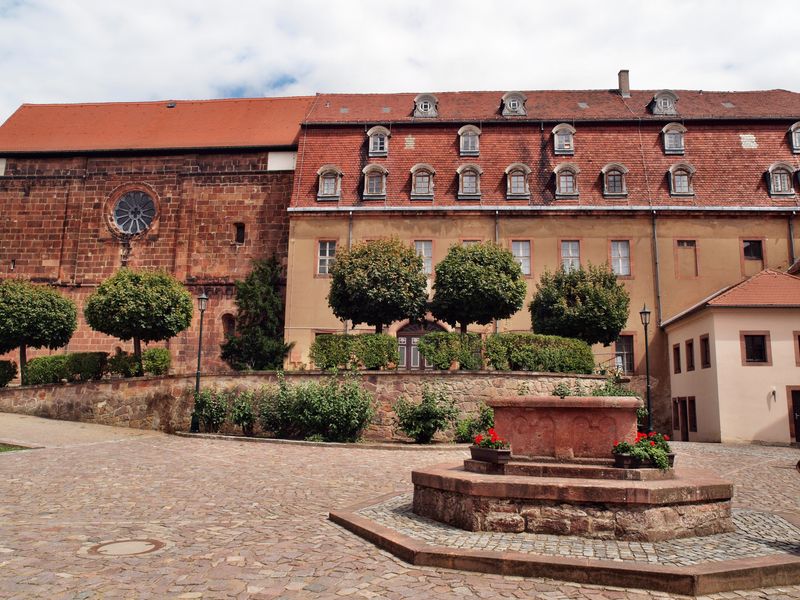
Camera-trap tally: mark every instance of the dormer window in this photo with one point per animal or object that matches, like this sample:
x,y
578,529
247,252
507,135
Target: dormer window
x,y
469,140
375,182
781,180
514,104
680,180
330,183
426,105
422,182
378,141
664,103
614,184
673,138
566,180
517,182
469,182
564,139
794,136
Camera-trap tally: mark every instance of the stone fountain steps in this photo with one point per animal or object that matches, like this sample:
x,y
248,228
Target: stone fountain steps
x,y
576,470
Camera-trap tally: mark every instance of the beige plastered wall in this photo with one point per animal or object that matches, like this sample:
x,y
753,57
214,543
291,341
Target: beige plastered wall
x,y
701,383
749,411
718,255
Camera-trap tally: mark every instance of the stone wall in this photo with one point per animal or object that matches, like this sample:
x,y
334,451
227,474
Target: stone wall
x,y
165,403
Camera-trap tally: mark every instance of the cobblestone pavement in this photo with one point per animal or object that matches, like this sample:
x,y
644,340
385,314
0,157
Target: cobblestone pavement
x,y
242,520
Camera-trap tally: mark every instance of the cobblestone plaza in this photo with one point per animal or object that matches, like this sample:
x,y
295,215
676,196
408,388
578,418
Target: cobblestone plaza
x,y
220,519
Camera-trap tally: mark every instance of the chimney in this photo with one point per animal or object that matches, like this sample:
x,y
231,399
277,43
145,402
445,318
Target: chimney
x,y
624,83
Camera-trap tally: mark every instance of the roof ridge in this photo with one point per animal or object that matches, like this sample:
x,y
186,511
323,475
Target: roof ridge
x,y
162,101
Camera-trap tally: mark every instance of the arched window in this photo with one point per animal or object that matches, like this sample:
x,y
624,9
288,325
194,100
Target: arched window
x,y
422,182
426,105
564,139
469,140
681,178
672,135
375,182
469,182
781,180
378,141
614,183
228,325
517,182
514,104
566,180
794,137
330,182
664,103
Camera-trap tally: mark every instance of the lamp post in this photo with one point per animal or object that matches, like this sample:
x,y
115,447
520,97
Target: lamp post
x,y
202,303
645,316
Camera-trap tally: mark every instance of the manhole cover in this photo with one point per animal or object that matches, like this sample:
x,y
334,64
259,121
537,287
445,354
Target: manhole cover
x,y
133,547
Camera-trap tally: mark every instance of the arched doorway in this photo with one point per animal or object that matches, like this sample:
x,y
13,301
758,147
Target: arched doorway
x,y
407,343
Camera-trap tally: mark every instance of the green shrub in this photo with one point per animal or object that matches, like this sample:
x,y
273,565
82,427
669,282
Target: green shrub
x,y
8,370
46,369
211,408
369,350
242,411
333,411
87,365
442,348
534,352
421,421
156,361
468,427
123,364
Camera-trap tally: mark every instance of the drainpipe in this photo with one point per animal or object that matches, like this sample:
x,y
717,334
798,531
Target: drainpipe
x,y
792,257
496,241
349,245
656,275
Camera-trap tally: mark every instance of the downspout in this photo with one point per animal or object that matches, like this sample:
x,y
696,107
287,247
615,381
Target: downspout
x,y
792,257
656,275
496,241
349,245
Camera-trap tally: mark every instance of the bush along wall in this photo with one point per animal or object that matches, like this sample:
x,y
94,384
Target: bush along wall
x,y
442,349
8,370
368,351
534,352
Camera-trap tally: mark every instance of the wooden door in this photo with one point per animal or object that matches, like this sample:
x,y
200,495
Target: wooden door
x,y
796,414
684,418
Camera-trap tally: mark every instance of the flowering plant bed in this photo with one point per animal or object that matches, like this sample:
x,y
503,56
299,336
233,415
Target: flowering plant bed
x,y
490,448
648,450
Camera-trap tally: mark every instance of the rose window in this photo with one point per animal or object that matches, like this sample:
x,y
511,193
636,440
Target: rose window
x,y
134,212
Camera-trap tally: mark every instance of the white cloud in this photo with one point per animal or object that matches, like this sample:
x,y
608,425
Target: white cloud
x,y
101,50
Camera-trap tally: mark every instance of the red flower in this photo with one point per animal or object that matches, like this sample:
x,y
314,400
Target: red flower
x,y
652,443
616,443
666,438
652,433
478,438
491,430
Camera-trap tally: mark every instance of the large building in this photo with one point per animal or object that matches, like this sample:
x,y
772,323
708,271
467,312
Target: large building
x,y
681,192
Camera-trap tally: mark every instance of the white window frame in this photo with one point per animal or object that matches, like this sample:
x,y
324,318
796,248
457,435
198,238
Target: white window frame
x,y
794,137
514,104
621,257
463,172
521,249
570,255
416,193
378,141
370,173
518,169
326,173
564,139
681,169
424,249
670,133
326,254
607,171
469,140
426,105
775,171
566,169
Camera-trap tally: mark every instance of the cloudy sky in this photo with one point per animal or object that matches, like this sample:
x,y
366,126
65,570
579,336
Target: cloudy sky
x,y
109,50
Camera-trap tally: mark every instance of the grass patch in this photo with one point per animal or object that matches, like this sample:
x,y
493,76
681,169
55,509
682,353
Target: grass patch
x,y
10,448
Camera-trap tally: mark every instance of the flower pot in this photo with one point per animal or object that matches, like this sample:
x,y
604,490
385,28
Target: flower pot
x,y
626,461
498,456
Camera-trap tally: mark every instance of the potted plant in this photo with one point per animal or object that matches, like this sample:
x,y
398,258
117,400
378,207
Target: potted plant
x,y
649,450
490,448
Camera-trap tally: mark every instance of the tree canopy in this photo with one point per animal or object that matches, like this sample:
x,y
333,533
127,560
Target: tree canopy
x,y
588,304
34,316
378,282
258,342
145,306
476,284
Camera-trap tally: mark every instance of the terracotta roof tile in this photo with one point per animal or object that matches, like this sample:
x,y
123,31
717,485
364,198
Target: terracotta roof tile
x,y
767,288
255,122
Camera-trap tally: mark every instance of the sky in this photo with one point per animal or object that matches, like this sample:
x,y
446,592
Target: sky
x,y
54,51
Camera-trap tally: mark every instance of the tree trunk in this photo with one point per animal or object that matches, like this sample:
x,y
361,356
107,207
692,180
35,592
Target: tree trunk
x,y
464,328
137,354
379,328
23,361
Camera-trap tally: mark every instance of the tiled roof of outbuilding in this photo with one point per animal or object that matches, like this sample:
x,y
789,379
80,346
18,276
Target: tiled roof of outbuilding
x,y
188,124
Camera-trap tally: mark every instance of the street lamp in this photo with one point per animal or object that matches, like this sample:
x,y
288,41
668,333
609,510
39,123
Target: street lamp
x,y
202,303
645,315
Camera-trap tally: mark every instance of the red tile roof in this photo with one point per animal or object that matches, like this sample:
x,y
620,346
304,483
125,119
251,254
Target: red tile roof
x,y
767,289
556,105
255,122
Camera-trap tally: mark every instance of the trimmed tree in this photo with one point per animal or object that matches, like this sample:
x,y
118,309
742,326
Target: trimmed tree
x,y
477,284
33,316
378,282
143,306
258,342
588,304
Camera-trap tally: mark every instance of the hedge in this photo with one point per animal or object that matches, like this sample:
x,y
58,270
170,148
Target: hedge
x,y
441,348
535,352
8,370
46,369
87,365
340,351
156,361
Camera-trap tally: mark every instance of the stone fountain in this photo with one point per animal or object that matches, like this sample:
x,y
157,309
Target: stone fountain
x,y
561,479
